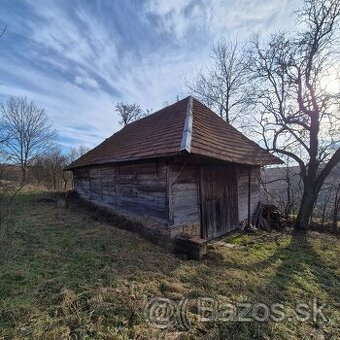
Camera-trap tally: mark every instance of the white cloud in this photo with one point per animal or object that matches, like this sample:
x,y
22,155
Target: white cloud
x,y
221,17
75,112
86,81
176,16
90,66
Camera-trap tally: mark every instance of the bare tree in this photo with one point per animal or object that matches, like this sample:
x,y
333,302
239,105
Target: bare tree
x,y
54,161
29,129
222,84
57,162
128,113
66,177
25,133
299,112
4,133
47,169
76,152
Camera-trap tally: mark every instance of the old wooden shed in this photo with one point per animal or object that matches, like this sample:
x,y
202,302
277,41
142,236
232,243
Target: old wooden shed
x,y
182,166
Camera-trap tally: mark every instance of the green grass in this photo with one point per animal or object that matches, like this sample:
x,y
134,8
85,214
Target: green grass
x,y
69,276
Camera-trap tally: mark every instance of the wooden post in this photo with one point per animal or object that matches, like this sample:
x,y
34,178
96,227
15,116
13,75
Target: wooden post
x,y
200,197
249,194
168,205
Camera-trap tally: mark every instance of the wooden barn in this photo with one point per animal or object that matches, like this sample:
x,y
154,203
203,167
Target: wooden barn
x,y
182,166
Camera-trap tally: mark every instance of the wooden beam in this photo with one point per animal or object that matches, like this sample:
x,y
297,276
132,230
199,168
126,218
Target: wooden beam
x,y
249,193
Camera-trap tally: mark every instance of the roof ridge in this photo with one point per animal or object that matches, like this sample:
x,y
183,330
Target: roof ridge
x,y
187,129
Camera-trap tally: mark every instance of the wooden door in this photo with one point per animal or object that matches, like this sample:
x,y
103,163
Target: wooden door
x,y
219,202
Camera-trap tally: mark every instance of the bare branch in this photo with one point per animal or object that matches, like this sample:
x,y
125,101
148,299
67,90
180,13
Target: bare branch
x,y
300,117
129,113
221,85
29,132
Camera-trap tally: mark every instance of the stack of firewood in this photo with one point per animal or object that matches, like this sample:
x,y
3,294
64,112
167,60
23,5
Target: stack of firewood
x,y
268,217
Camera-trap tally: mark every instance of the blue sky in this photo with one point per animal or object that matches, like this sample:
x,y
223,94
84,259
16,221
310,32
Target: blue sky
x,y
78,58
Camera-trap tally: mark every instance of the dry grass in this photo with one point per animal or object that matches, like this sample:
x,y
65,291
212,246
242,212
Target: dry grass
x,y
72,277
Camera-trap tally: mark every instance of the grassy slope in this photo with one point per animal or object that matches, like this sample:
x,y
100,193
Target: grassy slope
x,y
71,276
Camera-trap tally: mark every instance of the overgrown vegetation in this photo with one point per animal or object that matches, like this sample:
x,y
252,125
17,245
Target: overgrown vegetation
x,y
70,276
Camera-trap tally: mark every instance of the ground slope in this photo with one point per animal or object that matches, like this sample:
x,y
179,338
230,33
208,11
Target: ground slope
x,y
69,276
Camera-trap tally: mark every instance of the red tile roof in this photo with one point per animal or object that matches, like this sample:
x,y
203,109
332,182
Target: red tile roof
x,y
186,126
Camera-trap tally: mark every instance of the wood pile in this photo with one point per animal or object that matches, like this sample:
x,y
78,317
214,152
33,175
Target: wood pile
x,y
268,217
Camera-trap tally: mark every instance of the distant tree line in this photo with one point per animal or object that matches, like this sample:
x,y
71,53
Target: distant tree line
x,y
47,168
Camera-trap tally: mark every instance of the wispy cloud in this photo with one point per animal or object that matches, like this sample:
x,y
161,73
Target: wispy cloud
x,y
77,59
86,81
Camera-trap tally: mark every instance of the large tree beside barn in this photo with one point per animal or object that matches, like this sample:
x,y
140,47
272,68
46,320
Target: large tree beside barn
x,y
288,88
293,92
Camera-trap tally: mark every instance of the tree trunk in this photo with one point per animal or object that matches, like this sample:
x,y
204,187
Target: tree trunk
x,y
23,176
335,219
305,211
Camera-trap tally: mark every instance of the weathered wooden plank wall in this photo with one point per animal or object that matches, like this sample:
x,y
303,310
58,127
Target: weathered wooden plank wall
x,y
139,188
81,179
183,195
168,192
243,191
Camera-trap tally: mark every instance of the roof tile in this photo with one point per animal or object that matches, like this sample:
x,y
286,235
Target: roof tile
x,y
162,134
